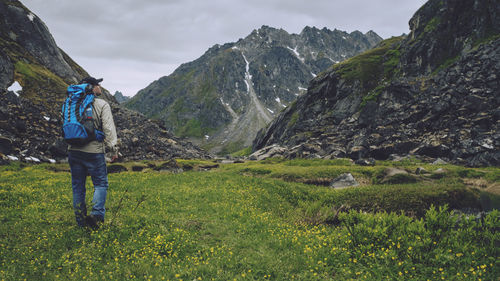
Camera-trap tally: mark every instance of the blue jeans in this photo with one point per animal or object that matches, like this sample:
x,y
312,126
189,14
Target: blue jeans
x,y
81,164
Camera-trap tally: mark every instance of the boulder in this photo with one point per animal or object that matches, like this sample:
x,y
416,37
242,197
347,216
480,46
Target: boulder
x,y
397,176
344,180
169,166
439,161
420,171
268,152
365,162
439,173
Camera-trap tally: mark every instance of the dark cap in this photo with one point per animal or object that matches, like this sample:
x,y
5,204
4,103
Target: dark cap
x,y
91,80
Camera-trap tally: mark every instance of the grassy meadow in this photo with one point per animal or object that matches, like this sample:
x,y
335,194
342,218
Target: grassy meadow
x,y
267,220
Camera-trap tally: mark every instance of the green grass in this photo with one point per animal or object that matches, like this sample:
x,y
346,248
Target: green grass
x,y
191,128
371,96
243,152
29,75
293,119
446,64
432,24
249,221
235,148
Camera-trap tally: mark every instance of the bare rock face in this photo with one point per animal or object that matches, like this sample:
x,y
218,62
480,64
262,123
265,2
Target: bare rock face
x,y
6,70
30,122
443,30
432,94
18,25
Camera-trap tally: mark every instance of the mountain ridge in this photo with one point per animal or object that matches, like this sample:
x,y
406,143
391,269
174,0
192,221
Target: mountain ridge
x,y
225,96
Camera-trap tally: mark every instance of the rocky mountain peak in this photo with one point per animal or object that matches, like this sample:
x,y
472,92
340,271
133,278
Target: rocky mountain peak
x,y
120,98
224,97
372,37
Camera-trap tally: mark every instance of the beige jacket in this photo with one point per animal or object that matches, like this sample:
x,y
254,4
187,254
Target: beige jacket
x,y
102,116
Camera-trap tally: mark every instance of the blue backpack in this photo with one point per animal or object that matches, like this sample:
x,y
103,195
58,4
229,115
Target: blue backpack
x,y
78,124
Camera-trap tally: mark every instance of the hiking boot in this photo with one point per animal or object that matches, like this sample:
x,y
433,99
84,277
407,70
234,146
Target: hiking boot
x,y
93,222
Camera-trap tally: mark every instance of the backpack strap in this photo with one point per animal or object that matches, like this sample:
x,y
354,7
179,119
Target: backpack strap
x,y
97,126
79,111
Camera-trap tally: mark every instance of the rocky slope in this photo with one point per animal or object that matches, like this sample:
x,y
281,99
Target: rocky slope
x,y
29,119
434,93
223,98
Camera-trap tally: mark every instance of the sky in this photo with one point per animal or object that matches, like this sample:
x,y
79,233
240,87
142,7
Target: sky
x,y
131,43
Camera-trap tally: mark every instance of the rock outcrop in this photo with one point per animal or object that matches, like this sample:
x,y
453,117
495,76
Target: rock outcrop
x,y
30,118
224,97
120,98
433,93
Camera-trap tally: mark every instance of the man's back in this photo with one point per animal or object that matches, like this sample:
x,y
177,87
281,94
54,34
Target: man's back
x,y
103,120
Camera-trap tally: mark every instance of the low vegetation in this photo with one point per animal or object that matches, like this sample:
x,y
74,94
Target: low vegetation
x,y
267,220
32,74
373,66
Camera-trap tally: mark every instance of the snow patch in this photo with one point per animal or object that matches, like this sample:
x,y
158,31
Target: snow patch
x,y
314,75
229,109
248,86
207,137
31,16
248,77
296,53
235,48
270,110
224,103
488,146
15,87
52,161
302,89
278,100
12,158
247,66
344,37
32,159
46,118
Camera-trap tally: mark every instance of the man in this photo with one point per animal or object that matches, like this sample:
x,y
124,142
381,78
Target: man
x,y
90,159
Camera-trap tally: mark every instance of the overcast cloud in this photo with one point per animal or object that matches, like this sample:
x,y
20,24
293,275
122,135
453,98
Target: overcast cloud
x,y
131,43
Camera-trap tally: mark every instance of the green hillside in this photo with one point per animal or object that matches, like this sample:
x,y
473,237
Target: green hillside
x,y
253,221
